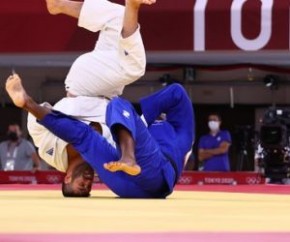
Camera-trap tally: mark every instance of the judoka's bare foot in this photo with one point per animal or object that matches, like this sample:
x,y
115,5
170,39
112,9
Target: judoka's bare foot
x,y
54,6
137,3
16,91
129,167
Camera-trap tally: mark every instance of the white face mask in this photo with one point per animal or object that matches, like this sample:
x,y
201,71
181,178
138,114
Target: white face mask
x,y
213,125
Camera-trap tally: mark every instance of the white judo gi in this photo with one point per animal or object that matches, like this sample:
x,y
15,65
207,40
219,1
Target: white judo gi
x,y
94,77
115,61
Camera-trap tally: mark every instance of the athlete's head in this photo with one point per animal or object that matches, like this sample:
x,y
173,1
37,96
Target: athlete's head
x,y
79,178
79,182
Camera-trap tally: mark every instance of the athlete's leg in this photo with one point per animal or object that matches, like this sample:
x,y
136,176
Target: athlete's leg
x,y
126,58
175,103
130,22
131,49
120,113
127,162
67,7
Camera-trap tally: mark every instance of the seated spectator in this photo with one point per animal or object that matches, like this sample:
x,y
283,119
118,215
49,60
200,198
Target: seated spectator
x,y
17,153
213,148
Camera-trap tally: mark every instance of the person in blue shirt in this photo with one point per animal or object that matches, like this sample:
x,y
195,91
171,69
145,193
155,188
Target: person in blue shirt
x,y
213,148
147,161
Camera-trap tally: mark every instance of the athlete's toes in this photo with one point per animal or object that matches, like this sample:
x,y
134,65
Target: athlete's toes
x,y
112,166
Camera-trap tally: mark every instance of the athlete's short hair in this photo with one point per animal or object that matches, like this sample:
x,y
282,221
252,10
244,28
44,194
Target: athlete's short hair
x,y
67,191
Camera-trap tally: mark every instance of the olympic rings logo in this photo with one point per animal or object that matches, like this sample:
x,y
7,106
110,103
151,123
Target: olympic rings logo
x,y
185,180
253,180
52,179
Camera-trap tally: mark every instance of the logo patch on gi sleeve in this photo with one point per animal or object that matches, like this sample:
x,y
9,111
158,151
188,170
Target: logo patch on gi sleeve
x,y
126,114
50,151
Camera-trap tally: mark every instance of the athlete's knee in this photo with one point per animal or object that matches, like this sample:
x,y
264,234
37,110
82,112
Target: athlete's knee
x,y
177,87
178,91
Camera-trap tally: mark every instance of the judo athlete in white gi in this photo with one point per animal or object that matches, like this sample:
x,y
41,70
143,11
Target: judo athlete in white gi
x,y
117,60
148,160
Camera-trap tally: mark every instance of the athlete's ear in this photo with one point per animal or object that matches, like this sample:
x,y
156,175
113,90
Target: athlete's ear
x,y
67,179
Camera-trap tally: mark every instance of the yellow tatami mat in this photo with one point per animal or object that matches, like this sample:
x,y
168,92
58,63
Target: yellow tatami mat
x,y
46,211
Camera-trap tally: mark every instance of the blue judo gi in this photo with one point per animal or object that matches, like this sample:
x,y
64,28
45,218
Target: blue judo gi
x,y
160,148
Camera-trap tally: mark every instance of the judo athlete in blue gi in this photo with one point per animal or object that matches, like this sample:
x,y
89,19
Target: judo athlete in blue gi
x,y
159,149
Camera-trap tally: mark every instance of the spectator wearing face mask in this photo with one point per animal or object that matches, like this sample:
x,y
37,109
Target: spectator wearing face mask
x,y
213,147
17,153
